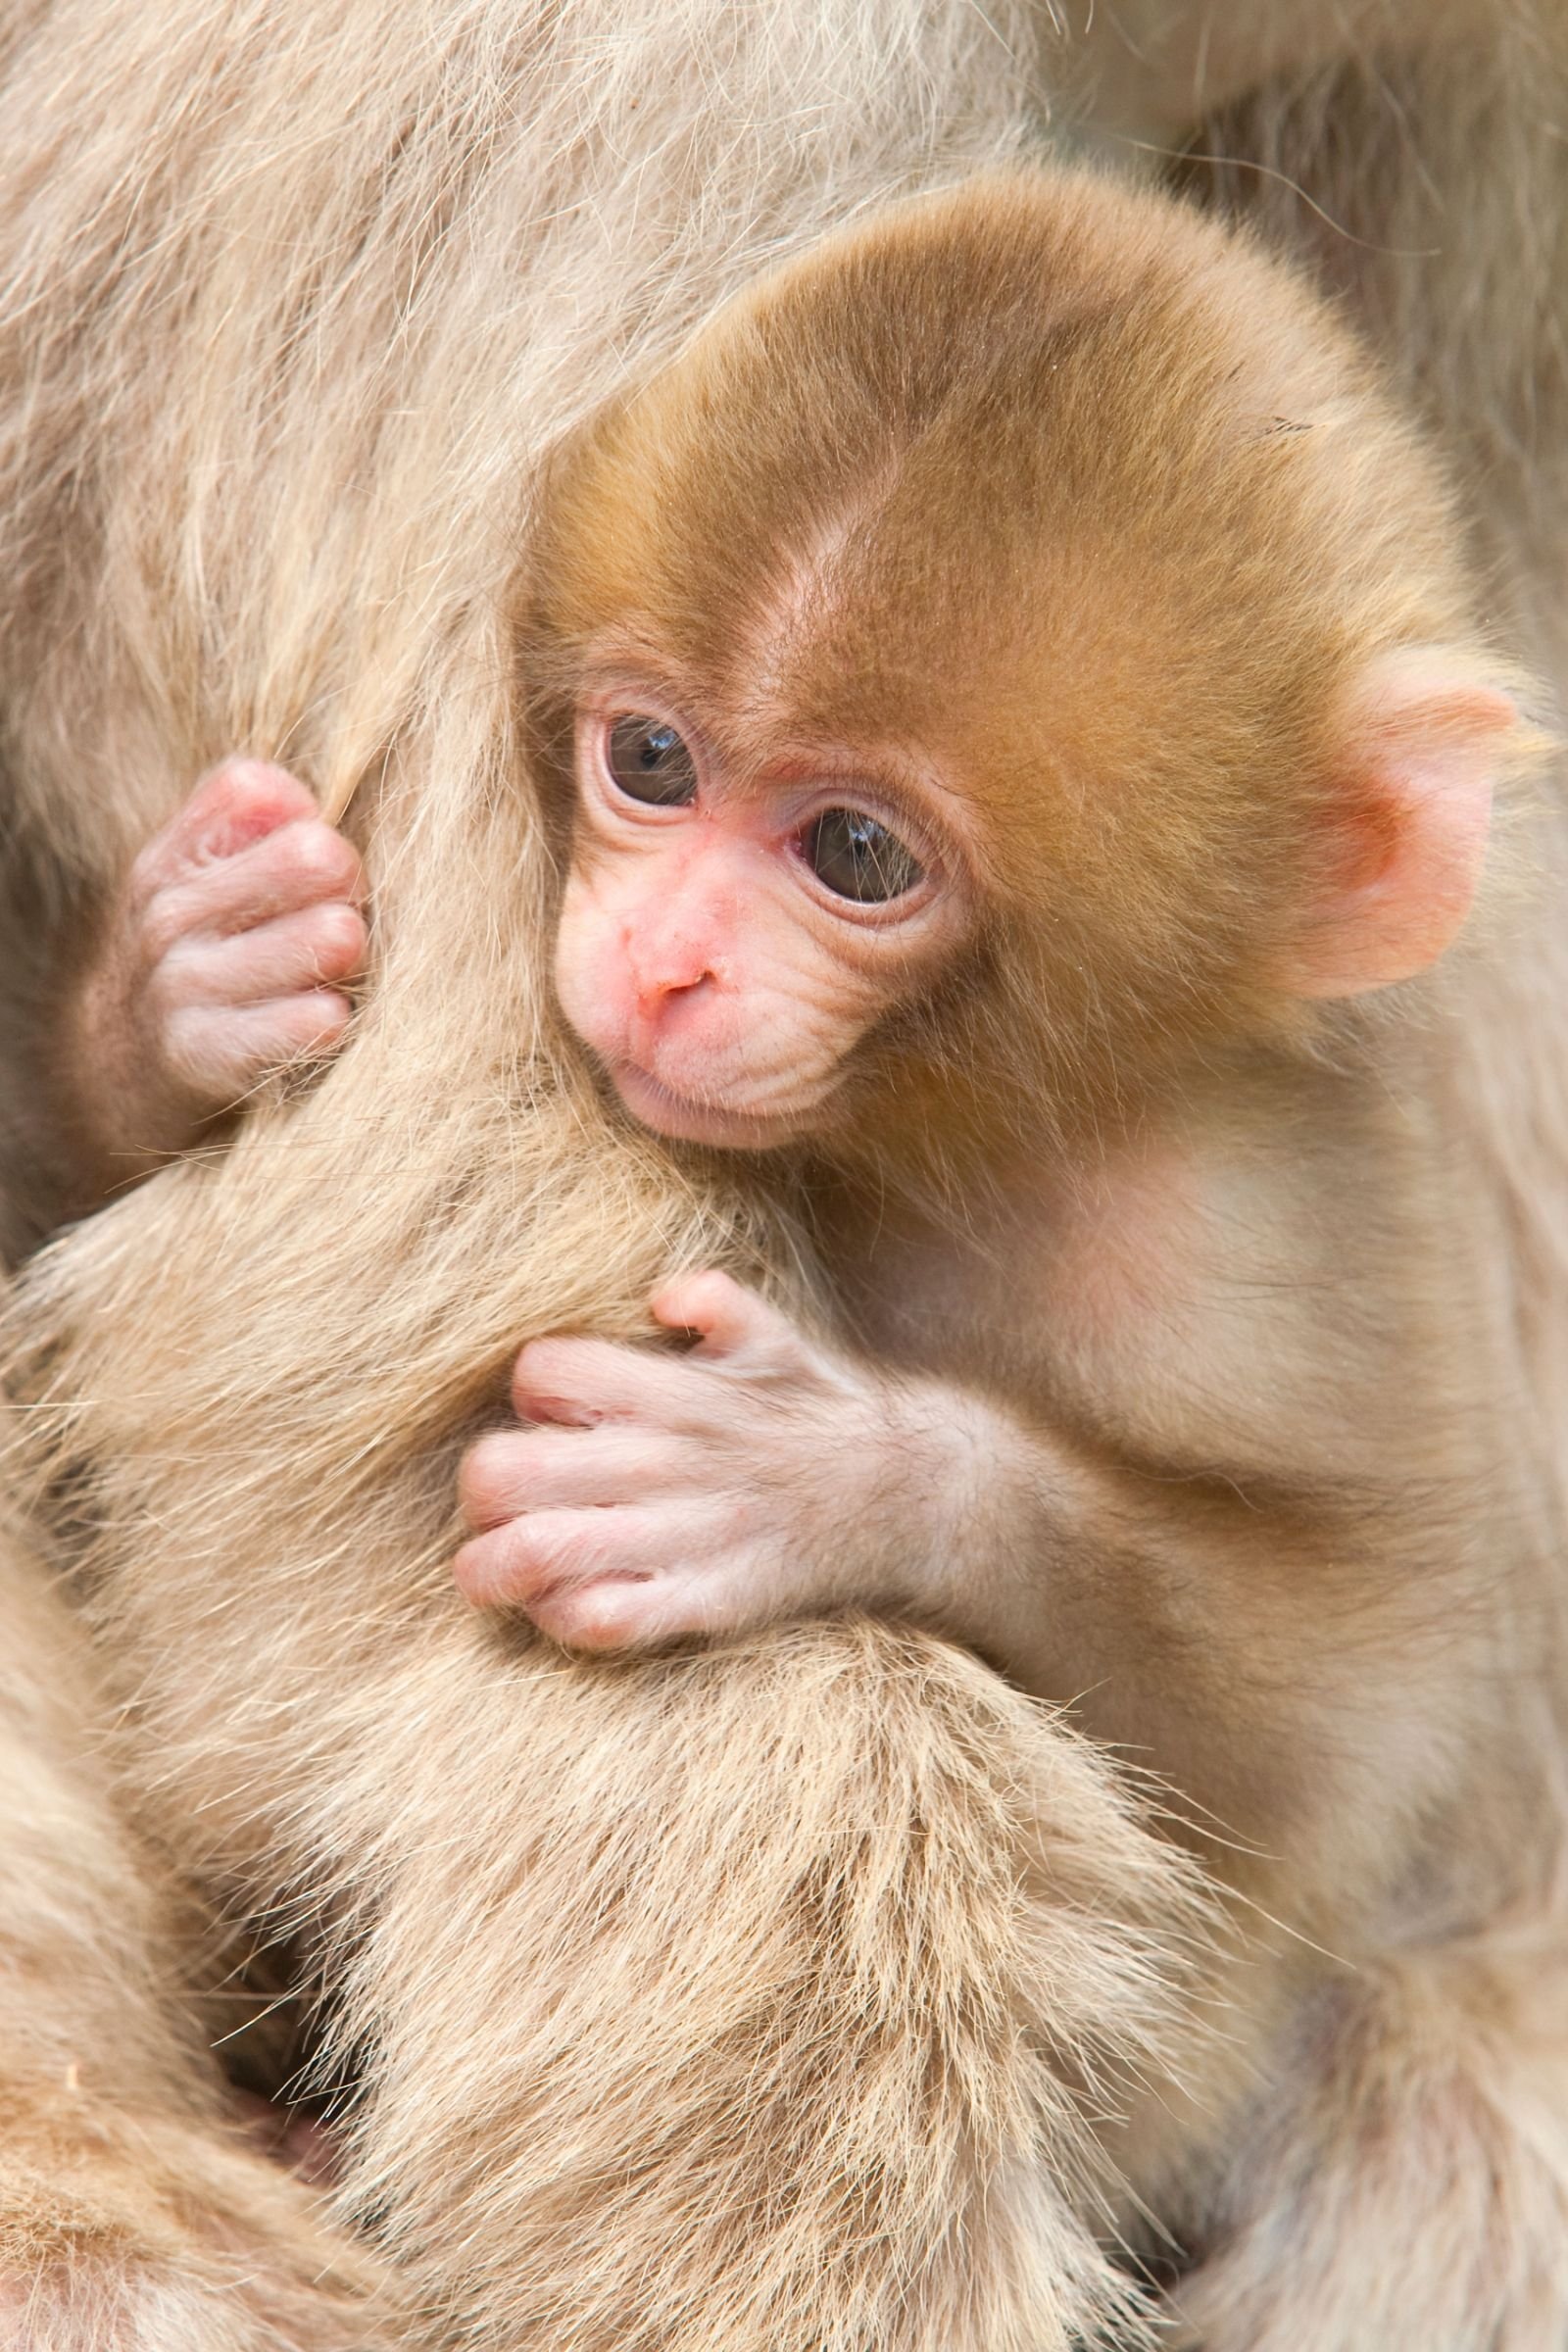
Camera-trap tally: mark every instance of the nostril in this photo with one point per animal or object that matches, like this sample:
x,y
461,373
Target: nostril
x,y
663,988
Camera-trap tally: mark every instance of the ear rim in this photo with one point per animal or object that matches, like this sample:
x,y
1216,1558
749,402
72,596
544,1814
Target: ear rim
x,y
1428,733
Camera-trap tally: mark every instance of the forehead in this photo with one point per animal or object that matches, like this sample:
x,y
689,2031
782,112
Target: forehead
x,y
1003,639
958,483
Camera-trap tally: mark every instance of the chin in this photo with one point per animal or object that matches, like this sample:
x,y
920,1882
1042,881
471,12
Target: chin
x,y
685,1121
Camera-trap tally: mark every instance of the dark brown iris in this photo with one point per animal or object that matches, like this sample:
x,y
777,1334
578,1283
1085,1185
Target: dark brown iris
x,y
857,858
649,761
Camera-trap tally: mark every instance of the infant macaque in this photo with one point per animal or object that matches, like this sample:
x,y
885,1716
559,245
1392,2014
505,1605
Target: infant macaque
x,y
1016,691
225,954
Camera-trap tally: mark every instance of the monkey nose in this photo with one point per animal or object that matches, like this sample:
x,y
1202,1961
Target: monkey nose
x,y
660,989
666,971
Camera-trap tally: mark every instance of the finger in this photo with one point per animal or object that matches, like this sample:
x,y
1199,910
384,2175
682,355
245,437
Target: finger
x,y
582,1382
615,1615
280,958
232,805
606,1614
725,1314
518,1565
299,864
219,1051
511,1472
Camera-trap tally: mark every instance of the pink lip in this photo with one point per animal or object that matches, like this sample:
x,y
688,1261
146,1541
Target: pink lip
x,y
668,1114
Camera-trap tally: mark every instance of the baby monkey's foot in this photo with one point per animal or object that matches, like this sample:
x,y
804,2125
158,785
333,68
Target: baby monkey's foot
x,y
223,958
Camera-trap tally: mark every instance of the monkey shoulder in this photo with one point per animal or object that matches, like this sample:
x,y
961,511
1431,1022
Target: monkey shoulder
x,y
1225,1293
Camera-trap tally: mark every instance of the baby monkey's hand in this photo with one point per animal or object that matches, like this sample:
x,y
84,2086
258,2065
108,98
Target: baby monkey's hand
x,y
222,958
758,1477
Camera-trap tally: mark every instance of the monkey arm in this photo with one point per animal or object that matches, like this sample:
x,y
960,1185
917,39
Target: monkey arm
x,y
1276,1658
651,1496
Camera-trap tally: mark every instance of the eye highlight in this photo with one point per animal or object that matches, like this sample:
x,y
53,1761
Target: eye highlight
x,y
649,761
855,857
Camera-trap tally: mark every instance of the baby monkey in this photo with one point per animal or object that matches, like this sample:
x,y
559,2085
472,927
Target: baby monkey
x,y
1015,697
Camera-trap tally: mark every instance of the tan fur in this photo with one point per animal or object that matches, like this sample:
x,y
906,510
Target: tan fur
x,y
285,331
133,2218
806,1986
870,2074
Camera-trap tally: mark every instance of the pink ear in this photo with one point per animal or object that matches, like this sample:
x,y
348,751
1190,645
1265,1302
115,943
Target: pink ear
x,y
1423,743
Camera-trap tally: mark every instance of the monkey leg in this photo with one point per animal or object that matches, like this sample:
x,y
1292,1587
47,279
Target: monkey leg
x,y
133,2218
1407,2183
765,2000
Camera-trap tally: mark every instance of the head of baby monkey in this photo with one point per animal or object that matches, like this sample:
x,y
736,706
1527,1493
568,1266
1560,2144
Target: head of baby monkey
x,y
1018,648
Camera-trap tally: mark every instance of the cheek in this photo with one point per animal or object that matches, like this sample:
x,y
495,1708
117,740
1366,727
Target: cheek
x,y
775,1031
771,1026
593,985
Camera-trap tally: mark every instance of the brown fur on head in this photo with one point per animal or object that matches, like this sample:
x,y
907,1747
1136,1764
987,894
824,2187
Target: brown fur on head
x,y
1085,515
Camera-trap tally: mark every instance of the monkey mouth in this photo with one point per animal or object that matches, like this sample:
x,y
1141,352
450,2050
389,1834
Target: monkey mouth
x,y
687,1119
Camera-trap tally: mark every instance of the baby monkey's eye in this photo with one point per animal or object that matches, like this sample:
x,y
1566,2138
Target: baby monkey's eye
x,y
650,761
858,858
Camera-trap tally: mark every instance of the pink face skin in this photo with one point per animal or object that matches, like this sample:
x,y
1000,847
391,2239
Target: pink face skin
x,y
720,976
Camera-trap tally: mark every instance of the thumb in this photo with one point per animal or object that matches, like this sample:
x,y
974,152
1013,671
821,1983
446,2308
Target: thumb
x,y
720,1311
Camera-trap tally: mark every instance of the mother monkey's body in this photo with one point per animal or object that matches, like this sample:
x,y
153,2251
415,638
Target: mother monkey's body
x,y
276,385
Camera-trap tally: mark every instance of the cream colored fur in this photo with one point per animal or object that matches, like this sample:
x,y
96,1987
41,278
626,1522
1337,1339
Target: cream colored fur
x,y
755,2000
769,2001
132,2213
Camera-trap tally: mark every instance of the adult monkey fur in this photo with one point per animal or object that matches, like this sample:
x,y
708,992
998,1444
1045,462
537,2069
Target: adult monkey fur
x,y
117,2131
839,2018
175,463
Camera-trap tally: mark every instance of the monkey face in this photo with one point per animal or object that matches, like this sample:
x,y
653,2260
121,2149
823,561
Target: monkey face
x,y
729,935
